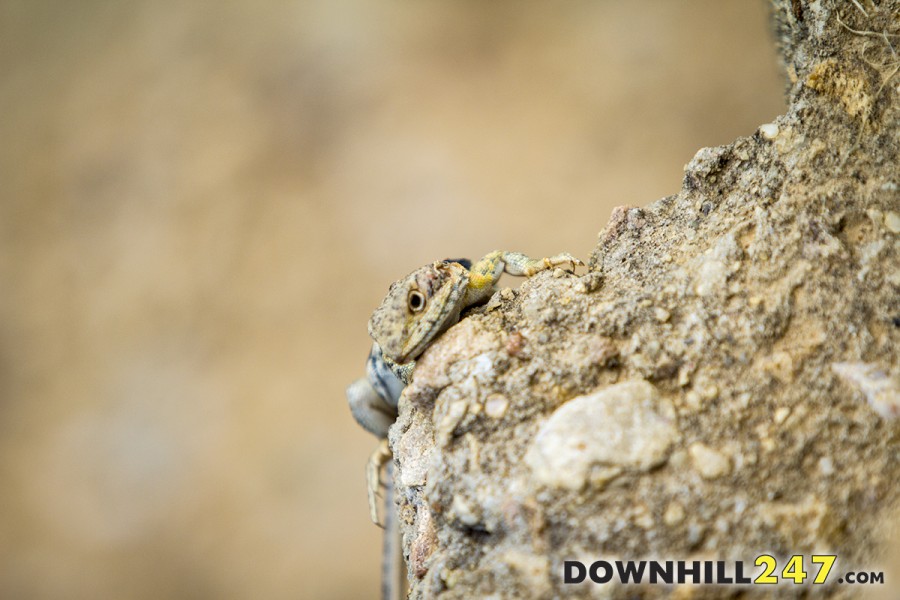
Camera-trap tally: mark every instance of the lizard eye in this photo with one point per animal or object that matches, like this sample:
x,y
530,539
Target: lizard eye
x,y
415,300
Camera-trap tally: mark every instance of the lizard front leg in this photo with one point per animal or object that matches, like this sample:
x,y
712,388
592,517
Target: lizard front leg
x,y
373,403
485,273
376,416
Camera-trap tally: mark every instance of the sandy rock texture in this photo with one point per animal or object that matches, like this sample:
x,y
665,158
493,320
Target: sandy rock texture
x,y
724,381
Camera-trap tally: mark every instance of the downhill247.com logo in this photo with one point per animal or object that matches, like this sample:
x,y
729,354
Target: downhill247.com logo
x,y
763,572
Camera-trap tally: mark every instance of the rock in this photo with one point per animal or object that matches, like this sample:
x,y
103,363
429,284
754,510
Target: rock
x,y
626,425
761,301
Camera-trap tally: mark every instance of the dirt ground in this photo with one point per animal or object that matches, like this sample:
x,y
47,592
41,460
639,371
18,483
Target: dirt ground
x,y
200,208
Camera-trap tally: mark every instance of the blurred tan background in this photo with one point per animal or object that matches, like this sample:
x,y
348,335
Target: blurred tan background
x,y
202,203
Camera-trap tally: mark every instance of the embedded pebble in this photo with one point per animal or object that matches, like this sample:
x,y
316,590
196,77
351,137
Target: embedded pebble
x,y
494,303
423,544
781,366
693,401
769,131
474,452
455,412
710,463
711,277
892,221
495,406
880,390
781,414
623,425
706,161
643,518
869,255
684,375
409,450
875,215
515,343
462,511
695,534
459,344
600,476
674,514
709,391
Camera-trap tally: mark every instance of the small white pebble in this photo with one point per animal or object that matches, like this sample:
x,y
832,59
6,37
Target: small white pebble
x,y
892,221
709,392
769,131
463,512
496,406
781,414
692,400
875,215
661,314
880,389
826,466
674,514
643,518
694,534
710,463
711,277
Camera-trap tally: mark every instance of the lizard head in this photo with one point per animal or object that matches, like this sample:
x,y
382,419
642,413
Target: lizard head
x,y
418,308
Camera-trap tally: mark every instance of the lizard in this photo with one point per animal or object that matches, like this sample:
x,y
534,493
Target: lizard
x,y
417,310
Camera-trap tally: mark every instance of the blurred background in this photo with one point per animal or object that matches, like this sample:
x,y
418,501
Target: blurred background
x,y
203,202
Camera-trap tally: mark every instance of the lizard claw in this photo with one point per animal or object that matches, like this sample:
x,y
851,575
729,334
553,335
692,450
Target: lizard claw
x,y
562,259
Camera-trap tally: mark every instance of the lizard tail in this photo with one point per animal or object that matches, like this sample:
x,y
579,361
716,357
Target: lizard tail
x,y
393,567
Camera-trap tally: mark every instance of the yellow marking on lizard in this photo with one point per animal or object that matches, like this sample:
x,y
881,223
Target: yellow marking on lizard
x,y
479,281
